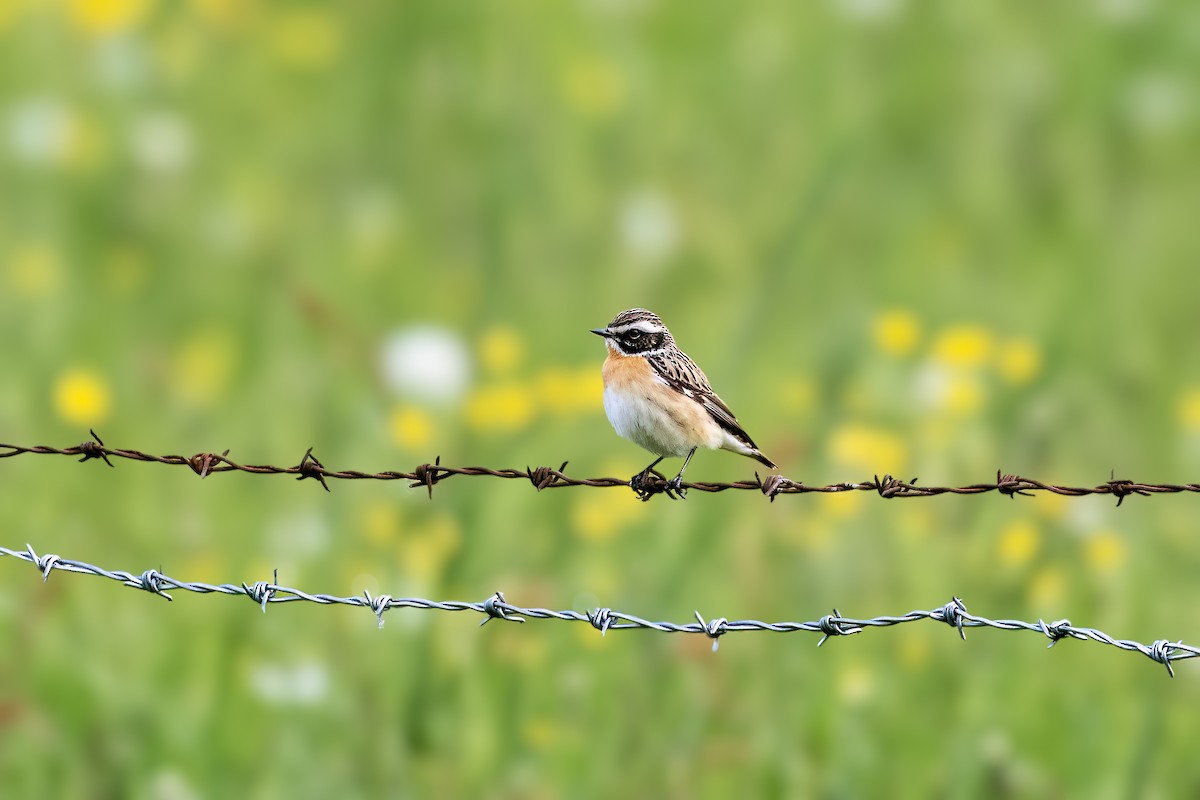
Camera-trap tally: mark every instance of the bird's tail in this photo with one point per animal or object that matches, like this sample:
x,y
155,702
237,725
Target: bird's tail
x,y
760,458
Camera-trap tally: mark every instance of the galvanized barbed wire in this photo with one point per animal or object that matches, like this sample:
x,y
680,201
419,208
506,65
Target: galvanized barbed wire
x,y
427,475
496,607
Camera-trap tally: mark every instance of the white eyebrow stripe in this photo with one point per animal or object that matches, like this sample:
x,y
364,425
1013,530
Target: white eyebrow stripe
x,y
644,326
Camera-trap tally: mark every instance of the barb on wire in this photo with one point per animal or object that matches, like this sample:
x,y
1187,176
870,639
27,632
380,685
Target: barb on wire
x,y
496,607
428,475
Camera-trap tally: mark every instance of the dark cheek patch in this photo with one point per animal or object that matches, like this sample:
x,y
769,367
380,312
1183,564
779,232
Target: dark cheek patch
x,y
644,343
639,345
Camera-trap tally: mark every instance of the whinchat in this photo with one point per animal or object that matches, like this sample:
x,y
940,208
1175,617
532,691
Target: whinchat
x,y
656,396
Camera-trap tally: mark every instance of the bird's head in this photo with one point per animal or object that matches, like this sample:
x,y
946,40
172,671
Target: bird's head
x,y
636,332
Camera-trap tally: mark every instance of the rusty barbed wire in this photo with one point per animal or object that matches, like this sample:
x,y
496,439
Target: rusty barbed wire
x,y
496,607
428,475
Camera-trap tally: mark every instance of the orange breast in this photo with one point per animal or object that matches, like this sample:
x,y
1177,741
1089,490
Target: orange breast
x,y
624,373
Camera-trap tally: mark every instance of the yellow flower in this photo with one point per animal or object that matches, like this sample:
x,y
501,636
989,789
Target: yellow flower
x,y
34,271
1018,361
411,428
500,350
594,87
501,407
1018,543
203,366
963,346
105,17
896,332
81,397
307,38
1187,410
867,449
564,391
1105,551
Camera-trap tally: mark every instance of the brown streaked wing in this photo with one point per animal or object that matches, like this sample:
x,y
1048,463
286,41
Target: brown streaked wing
x,y
684,376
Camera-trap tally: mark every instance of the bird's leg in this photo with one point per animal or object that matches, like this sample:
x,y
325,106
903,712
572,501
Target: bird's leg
x,y
637,481
676,483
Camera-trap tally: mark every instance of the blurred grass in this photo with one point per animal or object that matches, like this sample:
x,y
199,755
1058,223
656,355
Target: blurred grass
x,y
926,240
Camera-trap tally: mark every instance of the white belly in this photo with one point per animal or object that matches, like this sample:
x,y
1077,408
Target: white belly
x,y
649,425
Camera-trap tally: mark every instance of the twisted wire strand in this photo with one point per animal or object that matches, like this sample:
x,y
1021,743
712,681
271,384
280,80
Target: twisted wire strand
x,y
496,607
428,475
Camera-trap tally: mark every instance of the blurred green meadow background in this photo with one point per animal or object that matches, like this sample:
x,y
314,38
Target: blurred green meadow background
x,y
929,240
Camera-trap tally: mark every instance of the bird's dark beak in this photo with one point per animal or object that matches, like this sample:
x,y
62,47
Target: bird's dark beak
x,y
602,332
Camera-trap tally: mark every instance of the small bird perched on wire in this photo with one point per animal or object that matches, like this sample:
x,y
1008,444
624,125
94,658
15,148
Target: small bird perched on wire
x,y
655,396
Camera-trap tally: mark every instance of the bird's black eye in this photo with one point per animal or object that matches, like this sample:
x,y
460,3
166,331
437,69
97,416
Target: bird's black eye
x,y
635,334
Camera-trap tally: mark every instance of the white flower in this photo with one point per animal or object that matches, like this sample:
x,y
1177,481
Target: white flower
x,y
119,63
1157,102
40,129
304,683
171,784
161,142
869,10
427,363
648,225
1122,11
